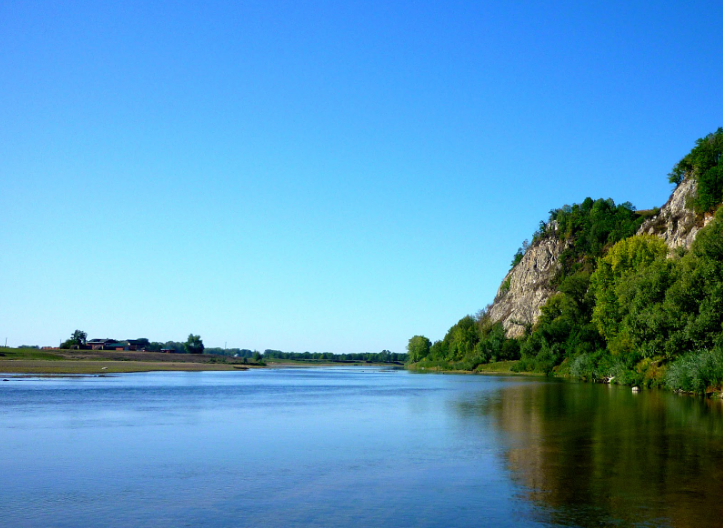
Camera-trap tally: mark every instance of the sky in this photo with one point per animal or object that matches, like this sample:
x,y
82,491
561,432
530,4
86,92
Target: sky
x,y
323,176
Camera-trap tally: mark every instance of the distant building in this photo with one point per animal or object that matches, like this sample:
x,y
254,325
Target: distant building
x,y
113,344
100,344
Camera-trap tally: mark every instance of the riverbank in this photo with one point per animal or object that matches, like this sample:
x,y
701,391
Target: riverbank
x,y
499,368
34,361
58,361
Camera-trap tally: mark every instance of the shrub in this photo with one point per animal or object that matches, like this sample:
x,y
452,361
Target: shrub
x,y
696,371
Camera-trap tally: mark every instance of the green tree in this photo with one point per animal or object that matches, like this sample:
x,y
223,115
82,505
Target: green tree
x,y
611,280
703,164
143,342
418,348
193,344
77,339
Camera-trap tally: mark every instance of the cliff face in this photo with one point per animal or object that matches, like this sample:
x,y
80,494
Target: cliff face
x,y
676,224
526,288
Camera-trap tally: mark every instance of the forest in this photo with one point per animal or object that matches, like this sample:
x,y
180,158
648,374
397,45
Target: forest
x,y
626,309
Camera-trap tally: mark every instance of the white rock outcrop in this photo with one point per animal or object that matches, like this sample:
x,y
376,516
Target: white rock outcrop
x,y
676,224
526,288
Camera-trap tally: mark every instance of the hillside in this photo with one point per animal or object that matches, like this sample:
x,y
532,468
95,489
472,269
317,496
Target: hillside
x,y
605,292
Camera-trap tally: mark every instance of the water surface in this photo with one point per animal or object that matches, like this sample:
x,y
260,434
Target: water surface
x,y
353,447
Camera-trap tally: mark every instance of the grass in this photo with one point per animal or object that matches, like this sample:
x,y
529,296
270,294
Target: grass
x,y
71,366
498,367
34,361
27,353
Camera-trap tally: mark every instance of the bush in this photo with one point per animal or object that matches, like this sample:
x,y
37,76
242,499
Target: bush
x,y
583,367
696,371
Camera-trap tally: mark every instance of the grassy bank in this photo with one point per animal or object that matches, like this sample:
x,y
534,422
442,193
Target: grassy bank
x,y
498,367
34,361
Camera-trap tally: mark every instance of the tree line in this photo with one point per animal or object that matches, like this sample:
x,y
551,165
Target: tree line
x,y
385,356
194,345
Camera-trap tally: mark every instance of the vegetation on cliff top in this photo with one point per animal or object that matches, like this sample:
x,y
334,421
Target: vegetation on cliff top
x,y
703,164
624,311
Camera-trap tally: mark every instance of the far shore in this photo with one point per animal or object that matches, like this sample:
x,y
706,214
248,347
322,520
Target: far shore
x,y
14,362
75,366
55,361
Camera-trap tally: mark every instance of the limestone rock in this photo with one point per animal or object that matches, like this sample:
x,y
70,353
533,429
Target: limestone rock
x,y
526,288
676,224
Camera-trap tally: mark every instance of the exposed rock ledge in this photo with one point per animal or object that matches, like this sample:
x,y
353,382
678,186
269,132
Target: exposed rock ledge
x,y
526,288
676,224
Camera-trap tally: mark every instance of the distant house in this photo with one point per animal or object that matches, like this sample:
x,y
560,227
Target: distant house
x,y
100,344
168,350
114,344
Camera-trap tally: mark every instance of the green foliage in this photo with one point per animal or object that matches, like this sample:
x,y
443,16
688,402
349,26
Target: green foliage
x,y
472,342
589,229
27,352
696,372
418,348
505,286
517,258
703,164
76,340
613,282
564,329
194,345
385,356
658,307
623,310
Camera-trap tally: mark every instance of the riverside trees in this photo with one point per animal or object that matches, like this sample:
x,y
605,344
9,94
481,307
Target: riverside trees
x,y
194,344
77,340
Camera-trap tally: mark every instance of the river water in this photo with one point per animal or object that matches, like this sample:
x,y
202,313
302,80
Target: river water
x,y
353,446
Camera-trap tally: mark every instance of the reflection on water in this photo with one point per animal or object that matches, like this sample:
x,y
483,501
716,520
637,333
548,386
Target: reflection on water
x,y
595,455
353,447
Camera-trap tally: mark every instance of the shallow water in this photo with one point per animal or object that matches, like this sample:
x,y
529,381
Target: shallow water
x,y
353,447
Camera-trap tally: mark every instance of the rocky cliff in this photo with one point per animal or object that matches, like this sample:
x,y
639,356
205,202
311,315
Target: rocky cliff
x,y
526,288
676,224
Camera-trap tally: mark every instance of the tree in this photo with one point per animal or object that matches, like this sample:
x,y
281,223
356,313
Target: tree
x,y
418,348
256,356
77,339
143,343
193,344
611,283
703,164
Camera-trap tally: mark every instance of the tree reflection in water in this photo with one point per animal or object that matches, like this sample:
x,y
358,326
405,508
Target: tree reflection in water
x,y
596,455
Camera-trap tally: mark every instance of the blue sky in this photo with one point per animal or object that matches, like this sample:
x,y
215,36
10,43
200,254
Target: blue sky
x,y
325,176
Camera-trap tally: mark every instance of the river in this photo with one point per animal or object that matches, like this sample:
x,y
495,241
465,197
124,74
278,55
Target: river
x,y
353,446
